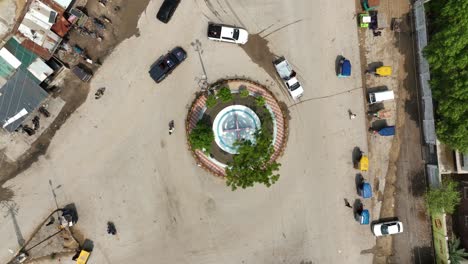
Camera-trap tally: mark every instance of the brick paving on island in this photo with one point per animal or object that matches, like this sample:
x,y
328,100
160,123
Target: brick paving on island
x,y
198,108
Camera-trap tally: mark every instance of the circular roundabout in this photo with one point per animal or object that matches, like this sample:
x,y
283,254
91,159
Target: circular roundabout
x,y
230,114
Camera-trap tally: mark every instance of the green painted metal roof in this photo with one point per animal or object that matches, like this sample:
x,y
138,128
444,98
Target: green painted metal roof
x,y
6,70
21,53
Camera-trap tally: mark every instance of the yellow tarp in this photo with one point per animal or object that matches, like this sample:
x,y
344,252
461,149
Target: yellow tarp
x,y
83,257
364,163
384,71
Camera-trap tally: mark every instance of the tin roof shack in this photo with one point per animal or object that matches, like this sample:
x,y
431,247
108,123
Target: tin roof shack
x,y
14,56
35,31
19,96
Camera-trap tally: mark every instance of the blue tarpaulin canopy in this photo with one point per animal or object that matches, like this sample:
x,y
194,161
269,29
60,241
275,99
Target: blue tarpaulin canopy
x,y
345,68
365,217
366,191
387,131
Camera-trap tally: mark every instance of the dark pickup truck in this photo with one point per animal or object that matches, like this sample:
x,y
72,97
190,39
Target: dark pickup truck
x,y
166,64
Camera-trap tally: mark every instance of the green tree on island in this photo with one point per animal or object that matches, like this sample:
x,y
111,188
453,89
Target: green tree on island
x,y
447,54
253,163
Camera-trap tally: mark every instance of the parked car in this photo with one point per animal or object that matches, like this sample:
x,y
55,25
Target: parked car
x,y
227,33
167,10
387,228
288,75
167,63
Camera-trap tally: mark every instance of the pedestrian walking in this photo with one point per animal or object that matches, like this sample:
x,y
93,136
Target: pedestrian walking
x,y
351,114
347,203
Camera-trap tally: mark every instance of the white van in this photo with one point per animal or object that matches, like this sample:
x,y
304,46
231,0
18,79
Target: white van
x,y
381,96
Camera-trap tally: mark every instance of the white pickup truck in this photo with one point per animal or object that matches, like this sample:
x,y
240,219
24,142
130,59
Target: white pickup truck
x,y
288,75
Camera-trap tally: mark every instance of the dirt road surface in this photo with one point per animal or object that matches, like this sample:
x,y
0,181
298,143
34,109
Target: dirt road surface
x,y
405,176
115,160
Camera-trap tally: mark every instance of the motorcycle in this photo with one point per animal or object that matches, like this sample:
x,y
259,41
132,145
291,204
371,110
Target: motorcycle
x,y
99,93
43,110
171,127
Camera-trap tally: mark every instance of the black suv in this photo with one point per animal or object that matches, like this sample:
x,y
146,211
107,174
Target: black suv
x,y
167,10
166,64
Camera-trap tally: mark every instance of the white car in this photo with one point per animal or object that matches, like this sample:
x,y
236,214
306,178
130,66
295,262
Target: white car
x,y
227,34
387,228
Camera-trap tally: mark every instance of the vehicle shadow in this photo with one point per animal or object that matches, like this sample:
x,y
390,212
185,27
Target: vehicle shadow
x,y
371,67
385,219
358,180
377,89
379,124
356,156
337,64
358,207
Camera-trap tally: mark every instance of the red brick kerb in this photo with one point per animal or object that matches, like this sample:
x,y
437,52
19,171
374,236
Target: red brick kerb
x,y
198,108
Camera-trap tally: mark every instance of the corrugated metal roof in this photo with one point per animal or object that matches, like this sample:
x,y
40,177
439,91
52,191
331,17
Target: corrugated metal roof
x,y
57,5
63,3
42,45
26,58
21,53
433,175
38,50
61,27
6,70
38,11
78,17
38,33
36,27
8,63
40,70
10,58
19,93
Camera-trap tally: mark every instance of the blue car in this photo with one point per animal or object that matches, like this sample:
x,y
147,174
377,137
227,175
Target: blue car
x,y
345,68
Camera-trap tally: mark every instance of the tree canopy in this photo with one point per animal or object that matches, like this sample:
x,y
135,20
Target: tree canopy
x,y
443,199
447,54
457,254
201,136
252,164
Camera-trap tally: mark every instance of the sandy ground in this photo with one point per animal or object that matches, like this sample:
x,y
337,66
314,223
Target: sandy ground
x,y
114,159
